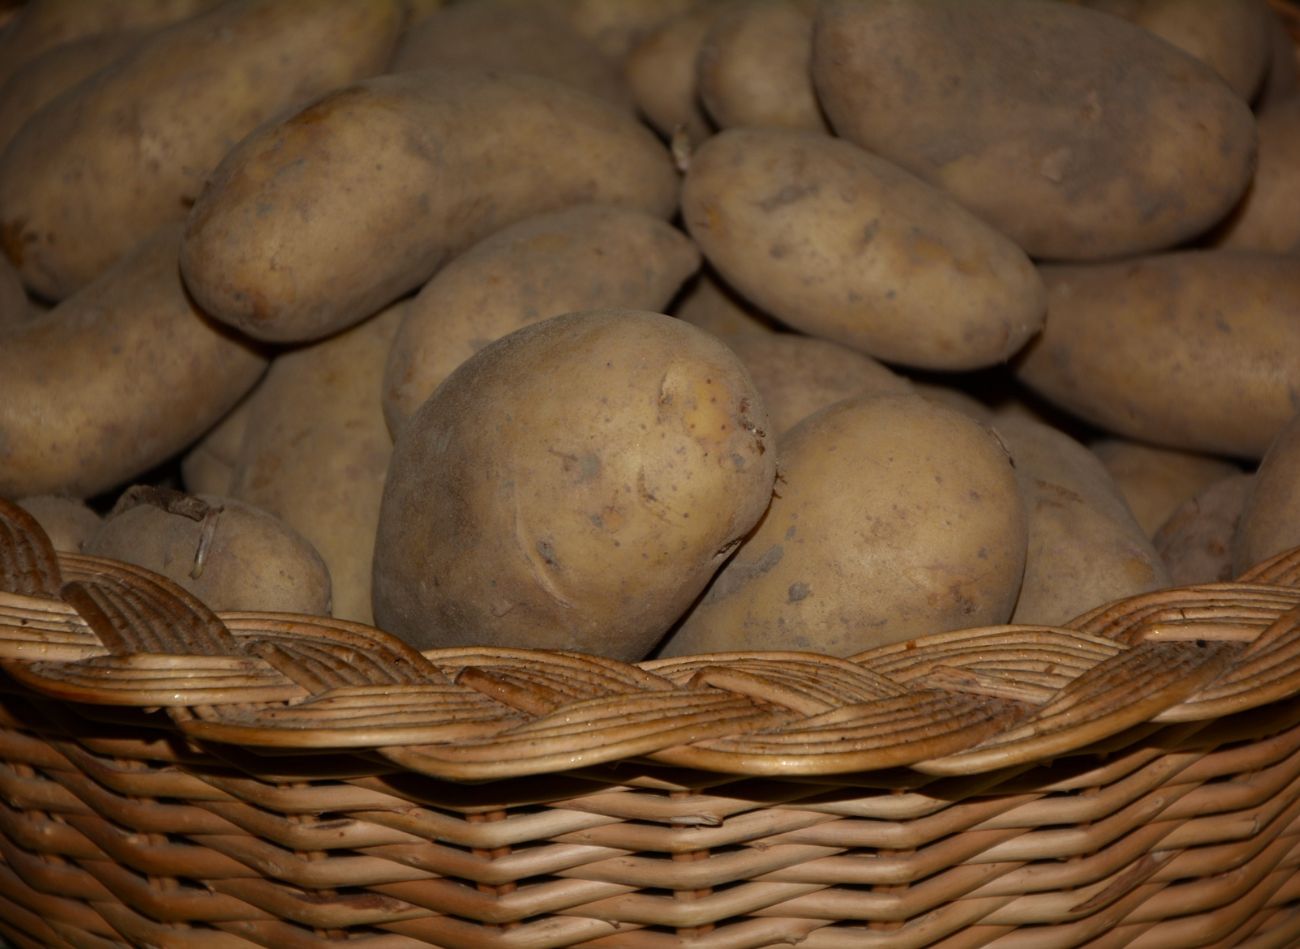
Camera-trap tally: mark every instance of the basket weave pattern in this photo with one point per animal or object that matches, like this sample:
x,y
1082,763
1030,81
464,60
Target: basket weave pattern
x,y
174,777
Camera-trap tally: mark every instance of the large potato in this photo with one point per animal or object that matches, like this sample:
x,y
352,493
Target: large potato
x,y
314,223
893,518
1076,133
1270,516
572,486
114,380
128,150
1198,350
1085,547
843,245
1268,217
581,258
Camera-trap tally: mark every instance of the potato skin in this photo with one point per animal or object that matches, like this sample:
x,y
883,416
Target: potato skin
x,y
1270,516
231,555
98,169
574,485
283,242
1197,350
115,380
890,494
661,72
1075,133
1195,542
68,522
714,307
1155,481
845,246
579,258
1268,217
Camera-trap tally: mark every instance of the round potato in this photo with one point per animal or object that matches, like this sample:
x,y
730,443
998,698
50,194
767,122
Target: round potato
x,y
115,380
1075,133
231,555
845,246
1156,481
1270,517
574,485
68,522
893,518
1196,350
298,236
580,258
1196,540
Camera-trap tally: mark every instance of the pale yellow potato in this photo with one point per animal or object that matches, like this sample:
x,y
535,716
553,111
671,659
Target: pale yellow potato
x,y
315,451
574,485
129,149
209,467
582,258
797,375
231,555
313,223
1156,481
115,380
893,518
661,72
496,34
714,307
1075,133
68,522
1196,541
753,66
1197,350
843,245
1270,516
1268,217
1085,546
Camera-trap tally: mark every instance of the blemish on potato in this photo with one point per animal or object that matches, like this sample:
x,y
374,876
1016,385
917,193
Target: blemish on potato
x,y
798,591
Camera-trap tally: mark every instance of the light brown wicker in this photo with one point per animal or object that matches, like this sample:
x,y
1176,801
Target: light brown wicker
x,y
174,778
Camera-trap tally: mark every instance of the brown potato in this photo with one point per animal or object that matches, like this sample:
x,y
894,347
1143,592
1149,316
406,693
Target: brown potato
x,y
496,34
1282,79
68,522
1155,481
1085,546
1268,217
114,380
128,150
616,27
893,518
660,70
1197,350
715,308
209,467
1270,517
462,155
754,66
1075,133
580,258
797,375
1196,541
231,555
572,486
315,451
842,245
15,307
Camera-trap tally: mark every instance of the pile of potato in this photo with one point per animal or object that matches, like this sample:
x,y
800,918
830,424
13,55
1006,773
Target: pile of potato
x,y
658,326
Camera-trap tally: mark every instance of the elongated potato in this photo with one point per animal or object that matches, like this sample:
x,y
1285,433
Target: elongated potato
x,y
580,258
1075,133
97,170
574,485
1270,516
299,234
660,69
1197,350
315,451
1268,217
893,518
1155,481
114,380
1085,546
753,66
843,245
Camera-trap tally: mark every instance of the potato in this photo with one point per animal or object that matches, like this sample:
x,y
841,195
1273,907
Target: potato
x,y
461,155
1270,516
797,375
573,485
492,34
1155,481
615,28
1268,217
1195,542
715,308
231,555
114,380
53,72
1196,350
315,451
1073,132
893,518
661,72
753,66
1282,79
68,522
845,246
1230,36
580,258
98,169
15,307
1085,546
209,467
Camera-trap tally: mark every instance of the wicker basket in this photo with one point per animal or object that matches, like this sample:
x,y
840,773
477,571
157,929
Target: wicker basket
x,y
177,778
